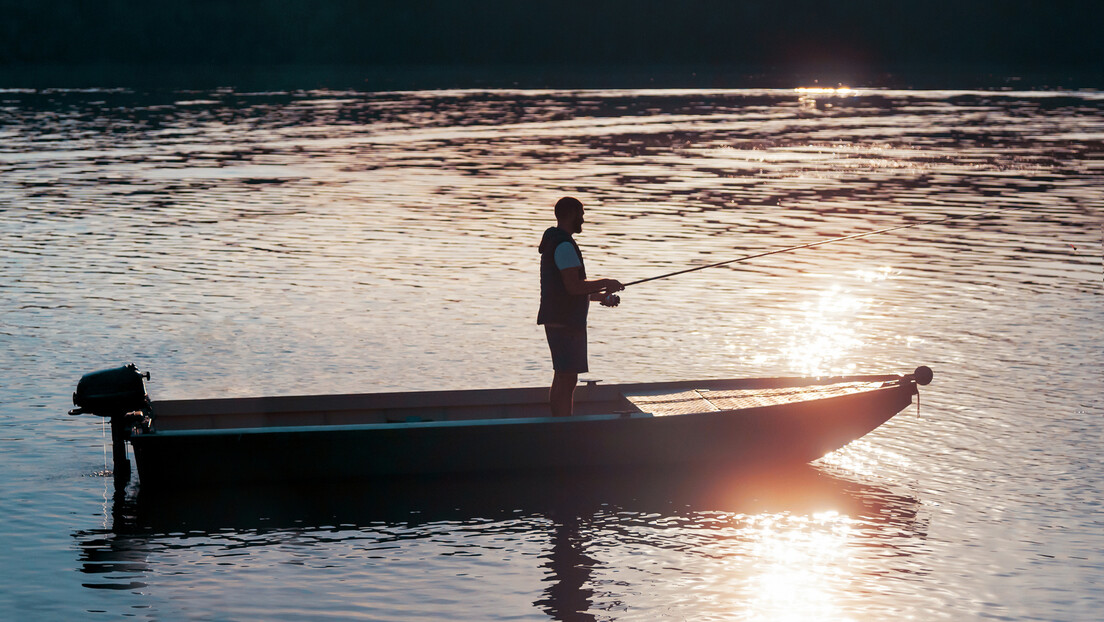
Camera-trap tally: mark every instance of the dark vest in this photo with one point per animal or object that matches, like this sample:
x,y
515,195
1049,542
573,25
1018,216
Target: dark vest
x,y
556,305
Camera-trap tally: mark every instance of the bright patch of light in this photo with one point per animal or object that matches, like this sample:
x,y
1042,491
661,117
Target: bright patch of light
x,y
861,457
871,276
826,332
817,90
802,562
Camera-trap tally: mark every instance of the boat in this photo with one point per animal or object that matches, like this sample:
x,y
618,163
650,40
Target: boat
x,y
727,423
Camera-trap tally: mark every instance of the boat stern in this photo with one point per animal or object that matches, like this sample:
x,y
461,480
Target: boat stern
x,y
118,394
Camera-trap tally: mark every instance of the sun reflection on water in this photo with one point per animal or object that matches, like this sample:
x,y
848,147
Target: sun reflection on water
x,y
811,98
864,458
825,327
802,566
825,332
819,90
884,273
785,546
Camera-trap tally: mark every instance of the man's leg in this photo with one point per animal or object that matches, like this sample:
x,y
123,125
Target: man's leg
x,y
562,394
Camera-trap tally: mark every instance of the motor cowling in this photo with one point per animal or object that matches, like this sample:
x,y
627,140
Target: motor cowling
x,y
111,392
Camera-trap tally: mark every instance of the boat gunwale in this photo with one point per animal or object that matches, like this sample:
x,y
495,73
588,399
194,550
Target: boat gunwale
x,y
398,425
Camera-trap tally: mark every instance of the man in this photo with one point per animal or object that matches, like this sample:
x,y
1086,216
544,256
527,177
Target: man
x,y
565,299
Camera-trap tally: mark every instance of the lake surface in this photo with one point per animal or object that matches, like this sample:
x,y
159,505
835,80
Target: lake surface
x,y
273,243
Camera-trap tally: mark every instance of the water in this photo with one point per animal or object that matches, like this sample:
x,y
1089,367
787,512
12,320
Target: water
x,y
262,243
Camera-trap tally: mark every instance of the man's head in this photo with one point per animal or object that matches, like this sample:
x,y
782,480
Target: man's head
x,y
569,215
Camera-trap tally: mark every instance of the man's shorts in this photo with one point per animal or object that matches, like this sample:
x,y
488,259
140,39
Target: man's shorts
x,y
569,348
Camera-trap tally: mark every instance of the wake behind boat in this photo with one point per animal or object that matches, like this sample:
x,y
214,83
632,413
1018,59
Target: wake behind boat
x,y
731,423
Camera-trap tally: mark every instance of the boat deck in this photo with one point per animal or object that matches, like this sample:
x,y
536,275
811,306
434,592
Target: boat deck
x,y
665,402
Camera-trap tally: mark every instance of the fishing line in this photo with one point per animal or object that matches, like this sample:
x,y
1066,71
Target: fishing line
x,y
812,244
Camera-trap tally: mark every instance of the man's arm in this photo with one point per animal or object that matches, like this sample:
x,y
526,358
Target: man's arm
x,y
597,289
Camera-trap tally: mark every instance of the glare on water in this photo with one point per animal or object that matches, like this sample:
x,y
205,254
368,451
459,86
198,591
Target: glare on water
x,y
239,243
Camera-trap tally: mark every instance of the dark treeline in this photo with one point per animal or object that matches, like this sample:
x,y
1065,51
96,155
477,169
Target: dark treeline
x,y
863,36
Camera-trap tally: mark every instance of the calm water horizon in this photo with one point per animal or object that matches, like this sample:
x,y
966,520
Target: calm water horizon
x,y
240,243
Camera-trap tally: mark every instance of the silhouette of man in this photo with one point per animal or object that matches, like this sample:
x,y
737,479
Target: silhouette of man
x,y
566,293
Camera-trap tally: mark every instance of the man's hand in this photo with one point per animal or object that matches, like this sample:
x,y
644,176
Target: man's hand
x,y
611,285
606,295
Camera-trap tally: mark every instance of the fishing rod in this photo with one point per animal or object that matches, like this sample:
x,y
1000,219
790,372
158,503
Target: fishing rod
x,y
812,244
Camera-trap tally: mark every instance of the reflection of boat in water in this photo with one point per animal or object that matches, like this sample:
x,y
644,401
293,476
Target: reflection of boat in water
x,y
563,509
745,422
416,500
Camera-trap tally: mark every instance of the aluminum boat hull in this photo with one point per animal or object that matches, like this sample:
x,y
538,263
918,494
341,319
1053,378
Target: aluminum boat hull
x,y
266,440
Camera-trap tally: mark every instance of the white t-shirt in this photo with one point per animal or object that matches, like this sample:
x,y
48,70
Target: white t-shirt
x,y
566,257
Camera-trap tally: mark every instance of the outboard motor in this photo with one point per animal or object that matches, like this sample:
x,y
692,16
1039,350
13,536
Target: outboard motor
x,y
111,392
119,394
